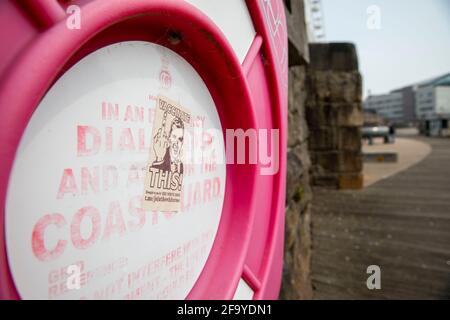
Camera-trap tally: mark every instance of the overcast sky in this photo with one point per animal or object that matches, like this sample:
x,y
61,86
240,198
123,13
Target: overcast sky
x,y
412,45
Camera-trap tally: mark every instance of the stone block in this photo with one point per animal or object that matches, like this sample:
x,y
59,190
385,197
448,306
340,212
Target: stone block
x,y
318,86
298,167
343,57
323,139
325,161
350,138
350,161
335,139
326,181
334,115
348,114
351,181
297,258
333,56
336,161
298,128
295,170
344,87
320,56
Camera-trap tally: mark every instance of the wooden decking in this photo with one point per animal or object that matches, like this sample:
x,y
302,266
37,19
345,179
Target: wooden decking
x,y
401,224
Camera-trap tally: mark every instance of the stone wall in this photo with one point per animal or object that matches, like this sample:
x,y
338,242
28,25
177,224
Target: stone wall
x,y
334,115
297,254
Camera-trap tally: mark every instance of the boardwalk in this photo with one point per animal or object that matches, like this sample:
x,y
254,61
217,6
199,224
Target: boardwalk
x,y
401,224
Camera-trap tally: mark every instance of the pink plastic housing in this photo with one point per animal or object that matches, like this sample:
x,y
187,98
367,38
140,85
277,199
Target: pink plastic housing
x,y
37,48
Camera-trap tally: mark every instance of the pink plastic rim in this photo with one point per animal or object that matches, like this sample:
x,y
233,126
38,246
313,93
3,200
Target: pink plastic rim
x,y
204,47
270,277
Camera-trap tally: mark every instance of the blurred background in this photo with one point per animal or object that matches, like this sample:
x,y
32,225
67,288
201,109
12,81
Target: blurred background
x,y
368,203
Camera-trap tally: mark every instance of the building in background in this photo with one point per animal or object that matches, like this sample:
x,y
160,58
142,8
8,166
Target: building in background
x,y
408,104
426,103
433,106
388,106
314,19
433,98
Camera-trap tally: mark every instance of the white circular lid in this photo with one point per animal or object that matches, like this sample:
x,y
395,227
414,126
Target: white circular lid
x,y
75,191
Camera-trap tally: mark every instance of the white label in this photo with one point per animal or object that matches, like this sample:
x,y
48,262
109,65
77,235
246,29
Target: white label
x,y
75,227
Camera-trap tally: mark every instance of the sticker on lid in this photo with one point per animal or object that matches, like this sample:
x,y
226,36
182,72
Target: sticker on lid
x,y
164,178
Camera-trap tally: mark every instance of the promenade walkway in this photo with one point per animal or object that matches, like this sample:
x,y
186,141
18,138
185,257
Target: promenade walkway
x,y
401,223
